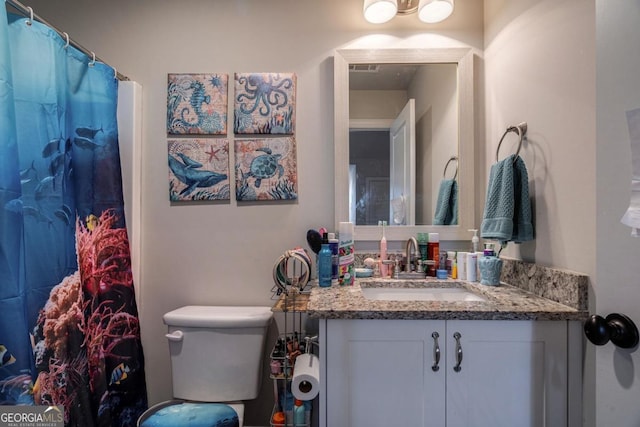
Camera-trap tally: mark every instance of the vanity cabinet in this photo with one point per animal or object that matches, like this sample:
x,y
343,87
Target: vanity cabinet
x,y
437,373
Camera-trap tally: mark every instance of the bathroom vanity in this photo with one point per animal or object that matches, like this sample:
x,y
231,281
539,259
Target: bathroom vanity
x,y
507,358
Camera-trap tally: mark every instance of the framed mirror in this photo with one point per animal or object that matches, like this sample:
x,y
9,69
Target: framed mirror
x,y
394,141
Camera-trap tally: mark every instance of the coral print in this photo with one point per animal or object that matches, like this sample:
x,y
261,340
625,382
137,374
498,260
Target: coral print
x,y
266,169
198,169
197,104
265,103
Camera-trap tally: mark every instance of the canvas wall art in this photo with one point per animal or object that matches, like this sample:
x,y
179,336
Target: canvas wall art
x,y
198,169
266,169
265,103
197,104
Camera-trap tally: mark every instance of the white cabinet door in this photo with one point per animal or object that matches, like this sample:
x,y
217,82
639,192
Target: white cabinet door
x,y
380,373
512,373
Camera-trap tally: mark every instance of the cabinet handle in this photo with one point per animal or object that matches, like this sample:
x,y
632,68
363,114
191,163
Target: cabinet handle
x,y
436,352
457,337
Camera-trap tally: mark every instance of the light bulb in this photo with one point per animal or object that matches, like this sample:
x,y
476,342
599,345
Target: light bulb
x,y
380,11
432,11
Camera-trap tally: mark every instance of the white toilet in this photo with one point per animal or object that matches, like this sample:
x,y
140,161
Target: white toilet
x,y
216,357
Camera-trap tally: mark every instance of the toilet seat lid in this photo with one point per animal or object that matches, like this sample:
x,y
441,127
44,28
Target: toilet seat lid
x,y
205,316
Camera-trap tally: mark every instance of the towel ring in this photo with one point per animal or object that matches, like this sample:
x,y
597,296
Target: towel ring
x,y
521,130
444,174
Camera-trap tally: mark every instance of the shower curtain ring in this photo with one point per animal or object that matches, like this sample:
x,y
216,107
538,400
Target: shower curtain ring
x,y
93,59
115,73
66,37
30,9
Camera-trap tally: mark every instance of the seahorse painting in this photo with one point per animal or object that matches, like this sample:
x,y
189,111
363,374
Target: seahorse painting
x,y
264,103
197,104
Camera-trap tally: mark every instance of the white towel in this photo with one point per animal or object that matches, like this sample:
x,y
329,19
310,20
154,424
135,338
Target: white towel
x,y
631,218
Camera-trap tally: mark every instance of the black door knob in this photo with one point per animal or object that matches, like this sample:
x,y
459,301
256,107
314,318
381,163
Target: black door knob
x,y
615,327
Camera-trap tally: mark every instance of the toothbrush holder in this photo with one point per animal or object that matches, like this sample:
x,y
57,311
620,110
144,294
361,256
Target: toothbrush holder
x,y
490,269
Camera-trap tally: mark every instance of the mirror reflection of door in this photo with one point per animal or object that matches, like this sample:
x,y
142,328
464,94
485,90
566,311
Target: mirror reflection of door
x,y
369,175
402,174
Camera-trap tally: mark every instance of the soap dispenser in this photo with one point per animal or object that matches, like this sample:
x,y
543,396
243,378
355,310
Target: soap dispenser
x,y
474,240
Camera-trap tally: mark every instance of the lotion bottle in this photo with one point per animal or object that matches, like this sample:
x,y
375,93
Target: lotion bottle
x,y
383,250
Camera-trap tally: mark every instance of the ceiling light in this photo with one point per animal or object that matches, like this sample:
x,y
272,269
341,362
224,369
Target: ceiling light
x,y
432,11
429,11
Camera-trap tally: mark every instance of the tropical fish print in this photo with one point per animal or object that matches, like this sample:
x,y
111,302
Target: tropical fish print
x,y
6,358
119,373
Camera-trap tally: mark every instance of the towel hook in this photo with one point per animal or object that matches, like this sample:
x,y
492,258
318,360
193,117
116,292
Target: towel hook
x,y
453,158
30,9
66,37
521,130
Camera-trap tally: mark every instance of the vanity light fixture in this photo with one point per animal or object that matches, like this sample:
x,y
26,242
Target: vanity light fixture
x,y
429,11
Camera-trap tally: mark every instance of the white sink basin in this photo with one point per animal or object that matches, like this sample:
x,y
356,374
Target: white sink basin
x,y
420,294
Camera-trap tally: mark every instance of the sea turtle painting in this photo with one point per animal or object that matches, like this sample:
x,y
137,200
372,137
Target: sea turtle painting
x,y
273,160
265,166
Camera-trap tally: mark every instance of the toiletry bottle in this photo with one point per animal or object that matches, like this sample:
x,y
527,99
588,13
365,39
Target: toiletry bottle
x,y
454,269
451,257
433,253
333,245
472,259
299,418
324,263
422,245
383,249
462,265
346,255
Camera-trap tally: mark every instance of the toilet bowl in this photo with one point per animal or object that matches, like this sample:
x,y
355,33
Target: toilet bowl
x,y
216,360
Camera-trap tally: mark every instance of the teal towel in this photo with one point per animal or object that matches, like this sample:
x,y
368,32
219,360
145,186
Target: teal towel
x,y
507,211
447,204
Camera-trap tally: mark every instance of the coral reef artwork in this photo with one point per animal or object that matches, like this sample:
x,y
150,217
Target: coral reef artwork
x,y
86,341
198,169
266,169
197,104
265,103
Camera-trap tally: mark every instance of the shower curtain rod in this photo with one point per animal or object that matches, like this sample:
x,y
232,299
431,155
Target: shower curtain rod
x,y
28,12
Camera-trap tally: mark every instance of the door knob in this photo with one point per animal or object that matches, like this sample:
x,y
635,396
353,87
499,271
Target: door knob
x,y
615,327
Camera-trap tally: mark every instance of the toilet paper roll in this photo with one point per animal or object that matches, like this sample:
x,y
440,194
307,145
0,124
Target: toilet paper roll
x,y
305,384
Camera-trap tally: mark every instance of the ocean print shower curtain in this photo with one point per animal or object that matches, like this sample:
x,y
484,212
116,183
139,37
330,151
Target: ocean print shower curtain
x,y
69,330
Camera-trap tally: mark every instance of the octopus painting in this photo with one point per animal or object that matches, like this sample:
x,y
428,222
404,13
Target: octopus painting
x,y
265,103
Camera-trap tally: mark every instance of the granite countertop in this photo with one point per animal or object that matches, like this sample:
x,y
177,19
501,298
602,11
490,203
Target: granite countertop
x,y
504,302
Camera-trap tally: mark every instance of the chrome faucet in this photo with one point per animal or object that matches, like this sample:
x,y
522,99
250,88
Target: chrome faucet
x,y
410,242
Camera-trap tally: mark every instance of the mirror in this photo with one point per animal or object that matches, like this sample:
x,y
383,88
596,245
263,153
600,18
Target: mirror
x,y
387,171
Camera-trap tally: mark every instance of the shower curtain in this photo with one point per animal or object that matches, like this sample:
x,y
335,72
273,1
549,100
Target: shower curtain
x,y
69,329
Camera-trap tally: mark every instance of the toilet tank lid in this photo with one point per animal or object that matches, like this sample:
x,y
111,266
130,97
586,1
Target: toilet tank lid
x,y
218,316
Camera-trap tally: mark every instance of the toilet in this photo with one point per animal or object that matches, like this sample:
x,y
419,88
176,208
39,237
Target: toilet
x,y
216,360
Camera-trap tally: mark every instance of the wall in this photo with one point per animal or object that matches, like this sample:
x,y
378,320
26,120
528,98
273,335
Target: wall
x,y
617,377
223,253
539,65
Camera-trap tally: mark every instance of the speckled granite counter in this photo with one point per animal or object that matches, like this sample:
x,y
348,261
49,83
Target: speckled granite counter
x,y
504,302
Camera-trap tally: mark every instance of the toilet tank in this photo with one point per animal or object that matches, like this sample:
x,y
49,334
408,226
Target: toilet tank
x,y
216,352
